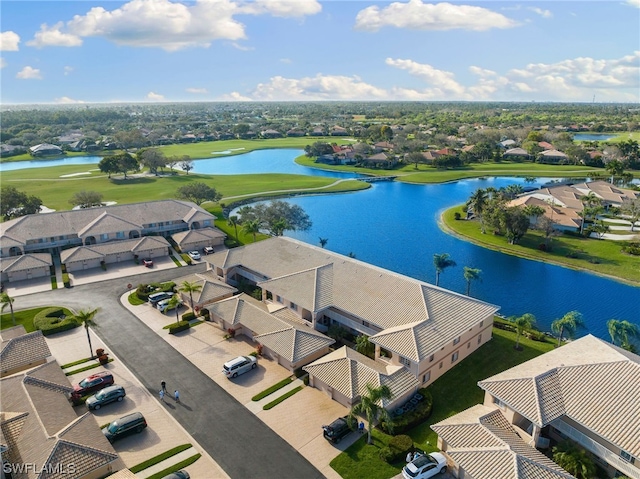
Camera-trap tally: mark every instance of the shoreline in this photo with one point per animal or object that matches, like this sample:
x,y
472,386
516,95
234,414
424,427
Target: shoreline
x,y
450,231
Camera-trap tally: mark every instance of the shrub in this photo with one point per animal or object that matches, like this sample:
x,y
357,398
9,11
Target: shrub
x,y
400,446
231,332
188,316
457,216
186,258
386,454
65,280
410,419
103,264
177,327
204,312
254,354
53,320
632,248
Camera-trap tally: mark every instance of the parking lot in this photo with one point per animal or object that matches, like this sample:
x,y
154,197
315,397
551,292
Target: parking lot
x,y
298,420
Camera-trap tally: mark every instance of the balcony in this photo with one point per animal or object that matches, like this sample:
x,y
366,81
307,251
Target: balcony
x,y
598,449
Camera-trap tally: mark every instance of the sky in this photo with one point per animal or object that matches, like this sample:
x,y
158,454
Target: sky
x,y
101,51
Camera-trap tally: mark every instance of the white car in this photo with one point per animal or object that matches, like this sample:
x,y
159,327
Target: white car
x,y
239,365
194,255
425,466
164,306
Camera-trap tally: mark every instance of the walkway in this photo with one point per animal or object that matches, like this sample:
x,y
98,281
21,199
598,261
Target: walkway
x,y
234,437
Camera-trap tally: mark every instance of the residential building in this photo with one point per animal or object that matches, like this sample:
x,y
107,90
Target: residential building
x,y
45,149
28,266
587,391
418,330
20,350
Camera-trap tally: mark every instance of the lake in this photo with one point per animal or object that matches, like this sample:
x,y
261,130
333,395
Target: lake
x,y
593,136
395,226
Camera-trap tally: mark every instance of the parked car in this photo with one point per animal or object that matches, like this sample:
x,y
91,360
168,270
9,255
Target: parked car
x,y
147,262
178,475
105,396
164,305
239,365
194,255
208,250
129,424
338,429
155,298
425,466
91,384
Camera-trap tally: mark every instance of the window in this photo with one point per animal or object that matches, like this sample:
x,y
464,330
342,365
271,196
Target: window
x,y
294,306
405,361
454,357
432,357
120,234
481,323
440,365
468,345
498,403
426,377
456,341
365,324
627,457
104,236
479,338
278,299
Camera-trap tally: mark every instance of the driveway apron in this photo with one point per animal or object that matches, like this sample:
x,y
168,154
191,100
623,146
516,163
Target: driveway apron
x,y
233,436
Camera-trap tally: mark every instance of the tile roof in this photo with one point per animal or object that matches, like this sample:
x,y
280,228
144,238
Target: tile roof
x,y
211,287
107,223
23,350
40,426
558,214
196,236
296,344
483,443
349,372
62,223
25,261
136,245
555,384
607,191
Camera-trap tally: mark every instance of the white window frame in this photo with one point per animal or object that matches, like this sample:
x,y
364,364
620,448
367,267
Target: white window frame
x,y
454,357
405,361
426,377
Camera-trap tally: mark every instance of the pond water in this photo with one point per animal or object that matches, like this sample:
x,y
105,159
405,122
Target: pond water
x,y
593,136
45,163
395,226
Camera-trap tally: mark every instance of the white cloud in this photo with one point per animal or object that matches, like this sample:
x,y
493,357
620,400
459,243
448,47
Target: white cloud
x,y
29,73
285,60
283,8
199,91
416,15
243,48
167,24
9,41
53,37
234,96
3,63
634,3
67,101
155,96
319,87
67,70
543,13
442,80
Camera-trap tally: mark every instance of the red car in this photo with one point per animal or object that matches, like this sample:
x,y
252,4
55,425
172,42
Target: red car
x,y
91,384
148,262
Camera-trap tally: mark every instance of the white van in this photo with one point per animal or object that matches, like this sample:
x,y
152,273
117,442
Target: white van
x,y
164,305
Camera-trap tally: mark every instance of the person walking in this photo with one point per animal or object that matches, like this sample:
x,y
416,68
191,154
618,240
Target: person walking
x,y
176,395
361,427
162,395
164,386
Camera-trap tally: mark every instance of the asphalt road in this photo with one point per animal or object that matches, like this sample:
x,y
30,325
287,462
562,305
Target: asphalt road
x,y
233,436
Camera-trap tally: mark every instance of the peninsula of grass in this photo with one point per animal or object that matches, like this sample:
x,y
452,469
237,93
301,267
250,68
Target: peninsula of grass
x,y
159,458
86,368
272,389
602,257
277,401
24,317
134,300
175,467
452,393
75,363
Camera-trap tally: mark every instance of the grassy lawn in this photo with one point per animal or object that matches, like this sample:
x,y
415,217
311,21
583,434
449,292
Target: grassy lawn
x,y
598,256
455,391
24,317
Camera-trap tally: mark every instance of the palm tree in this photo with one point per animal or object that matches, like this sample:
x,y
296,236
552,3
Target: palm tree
x,y
323,242
251,227
190,287
363,345
174,303
441,261
574,460
85,317
7,300
621,331
522,323
371,406
471,274
569,323
233,221
478,202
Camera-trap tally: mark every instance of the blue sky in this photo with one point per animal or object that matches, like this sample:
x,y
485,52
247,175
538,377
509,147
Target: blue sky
x,y
306,50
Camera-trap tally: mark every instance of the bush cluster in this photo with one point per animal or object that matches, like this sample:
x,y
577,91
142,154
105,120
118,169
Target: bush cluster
x,y
632,248
397,448
65,280
188,316
144,290
186,258
177,327
406,421
53,320
533,334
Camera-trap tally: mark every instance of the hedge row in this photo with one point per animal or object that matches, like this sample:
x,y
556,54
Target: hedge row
x,y
188,316
406,421
507,325
54,320
186,258
179,326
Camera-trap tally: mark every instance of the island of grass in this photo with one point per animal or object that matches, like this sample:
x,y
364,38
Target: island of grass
x,y
602,257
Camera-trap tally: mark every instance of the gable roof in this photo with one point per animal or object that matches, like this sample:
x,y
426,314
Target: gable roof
x,y
349,372
199,235
555,384
21,351
482,442
136,245
25,261
107,223
516,152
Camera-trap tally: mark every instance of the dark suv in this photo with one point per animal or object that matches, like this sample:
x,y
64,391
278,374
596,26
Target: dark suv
x,y
91,384
337,429
132,423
